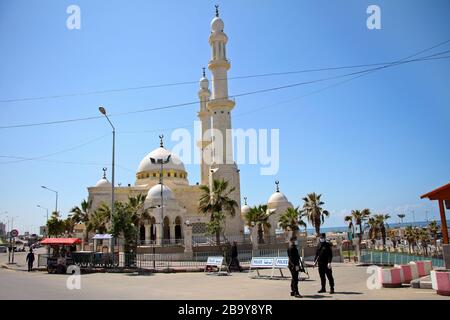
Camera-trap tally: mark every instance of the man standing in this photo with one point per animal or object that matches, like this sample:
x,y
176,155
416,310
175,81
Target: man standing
x,y
294,266
234,257
30,260
324,255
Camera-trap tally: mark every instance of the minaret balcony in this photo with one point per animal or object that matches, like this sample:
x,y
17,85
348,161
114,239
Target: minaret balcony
x,y
220,104
212,64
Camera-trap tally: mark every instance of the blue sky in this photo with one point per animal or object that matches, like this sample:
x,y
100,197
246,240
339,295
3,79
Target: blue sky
x,y
379,141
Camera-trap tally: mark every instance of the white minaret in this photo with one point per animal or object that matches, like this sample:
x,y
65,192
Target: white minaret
x,y
220,105
204,144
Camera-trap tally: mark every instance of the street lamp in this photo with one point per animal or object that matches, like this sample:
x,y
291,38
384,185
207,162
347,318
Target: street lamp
x,y
103,111
56,193
46,225
162,162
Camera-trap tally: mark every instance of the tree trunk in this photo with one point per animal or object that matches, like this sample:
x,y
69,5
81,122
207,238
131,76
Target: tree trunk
x,y
317,226
218,237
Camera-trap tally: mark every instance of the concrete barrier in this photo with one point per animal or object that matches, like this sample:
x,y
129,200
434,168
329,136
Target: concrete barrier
x,y
440,281
423,267
390,277
409,272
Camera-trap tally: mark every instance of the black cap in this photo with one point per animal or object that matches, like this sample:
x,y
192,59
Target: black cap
x,y
323,235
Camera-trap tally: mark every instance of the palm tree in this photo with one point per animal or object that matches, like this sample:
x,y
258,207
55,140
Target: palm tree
x,y
55,225
69,225
258,217
99,219
359,216
217,203
423,238
372,224
81,215
410,237
433,227
381,221
124,225
291,220
312,208
135,206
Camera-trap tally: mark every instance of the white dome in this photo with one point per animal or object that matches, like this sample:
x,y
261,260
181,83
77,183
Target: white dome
x,y
103,183
217,24
244,210
204,83
277,197
160,153
155,193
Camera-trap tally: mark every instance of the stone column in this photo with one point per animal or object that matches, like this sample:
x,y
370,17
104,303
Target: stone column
x,y
147,233
159,233
188,241
254,237
95,245
172,233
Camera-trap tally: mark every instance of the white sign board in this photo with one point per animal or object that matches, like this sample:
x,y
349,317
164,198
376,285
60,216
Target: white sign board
x,y
357,229
262,262
214,261
281,262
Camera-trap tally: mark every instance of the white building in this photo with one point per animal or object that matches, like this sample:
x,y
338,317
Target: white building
x,y
179,198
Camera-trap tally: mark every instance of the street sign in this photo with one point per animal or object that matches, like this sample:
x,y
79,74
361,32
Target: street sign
x,y
259,262
214,261
281,262
14,233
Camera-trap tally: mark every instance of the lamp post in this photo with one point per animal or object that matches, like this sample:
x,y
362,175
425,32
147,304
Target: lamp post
x,y
11,243
46,224
103,111
162,162
56,193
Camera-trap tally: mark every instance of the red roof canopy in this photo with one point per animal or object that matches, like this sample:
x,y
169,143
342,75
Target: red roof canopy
x,y
441,193
61,241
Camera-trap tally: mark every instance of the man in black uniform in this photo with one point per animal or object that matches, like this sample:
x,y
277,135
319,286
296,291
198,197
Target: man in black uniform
x,y
324,255
294,266
30,260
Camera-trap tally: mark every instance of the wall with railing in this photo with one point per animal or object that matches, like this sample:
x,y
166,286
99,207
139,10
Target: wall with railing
x,y
391,258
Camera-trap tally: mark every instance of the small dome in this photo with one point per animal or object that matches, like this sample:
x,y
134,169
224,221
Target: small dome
x,y
217,24
103,183
204,83
155,193
277,197
244,210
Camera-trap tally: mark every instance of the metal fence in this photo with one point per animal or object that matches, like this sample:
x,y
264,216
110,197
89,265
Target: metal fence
x,y
392,258
157,261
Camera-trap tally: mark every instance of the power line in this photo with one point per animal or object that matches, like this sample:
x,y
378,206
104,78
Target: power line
x,y
431,57
21,159
270,74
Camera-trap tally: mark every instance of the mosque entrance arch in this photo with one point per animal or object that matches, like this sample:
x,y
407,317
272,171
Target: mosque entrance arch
x,y
152,229
142,233
166,229
178,234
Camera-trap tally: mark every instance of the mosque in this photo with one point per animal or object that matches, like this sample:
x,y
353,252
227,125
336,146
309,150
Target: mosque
x,y
179,199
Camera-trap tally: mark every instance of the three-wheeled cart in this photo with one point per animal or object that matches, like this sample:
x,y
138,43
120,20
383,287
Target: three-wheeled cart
x,y
59,256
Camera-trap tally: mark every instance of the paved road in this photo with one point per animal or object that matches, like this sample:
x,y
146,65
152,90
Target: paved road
x,y
350,284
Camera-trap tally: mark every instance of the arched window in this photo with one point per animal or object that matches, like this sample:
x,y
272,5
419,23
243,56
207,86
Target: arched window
x,y
166,228
152,228
142,233
178,231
